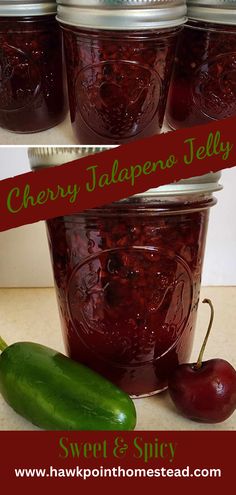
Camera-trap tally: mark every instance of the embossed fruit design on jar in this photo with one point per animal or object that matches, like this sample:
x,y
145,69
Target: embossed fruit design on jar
x,y
119,56
31,72
203,85
127,279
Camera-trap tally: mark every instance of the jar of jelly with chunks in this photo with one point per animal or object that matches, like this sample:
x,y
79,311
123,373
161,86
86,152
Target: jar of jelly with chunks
x,y
127,277
119,57
31,70
203,85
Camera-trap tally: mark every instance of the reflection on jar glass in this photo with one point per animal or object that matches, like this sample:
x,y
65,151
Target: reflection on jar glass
x,y
118,83
128,286
203,85
119,63
31,72
127,278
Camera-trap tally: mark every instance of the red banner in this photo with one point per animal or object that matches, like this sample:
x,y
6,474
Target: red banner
x,y
117,173
164,460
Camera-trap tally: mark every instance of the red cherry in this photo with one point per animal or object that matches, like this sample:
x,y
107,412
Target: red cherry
x,y
205,391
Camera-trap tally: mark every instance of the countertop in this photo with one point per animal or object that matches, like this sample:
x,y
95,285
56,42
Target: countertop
x,y
31,314
61,134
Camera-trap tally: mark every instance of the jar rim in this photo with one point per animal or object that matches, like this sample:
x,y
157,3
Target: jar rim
x,y
208,26
27,8
183,187
122,15
134,205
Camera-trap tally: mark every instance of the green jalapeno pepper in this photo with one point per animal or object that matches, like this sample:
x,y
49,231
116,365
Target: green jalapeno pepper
x,y
56,393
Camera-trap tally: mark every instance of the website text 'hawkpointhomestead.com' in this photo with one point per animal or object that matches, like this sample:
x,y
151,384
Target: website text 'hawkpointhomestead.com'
x,y
117,472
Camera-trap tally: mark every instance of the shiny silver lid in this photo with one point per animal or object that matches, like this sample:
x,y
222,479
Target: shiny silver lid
x,y
122,14
204,184
25,8
218,11
44,157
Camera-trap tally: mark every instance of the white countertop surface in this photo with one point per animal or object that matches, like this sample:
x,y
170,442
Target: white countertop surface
x,y
31,314
61,134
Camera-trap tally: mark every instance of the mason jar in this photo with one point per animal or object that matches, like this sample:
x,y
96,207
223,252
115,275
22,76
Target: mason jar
x,y
128,275
119,57
203,85
31,71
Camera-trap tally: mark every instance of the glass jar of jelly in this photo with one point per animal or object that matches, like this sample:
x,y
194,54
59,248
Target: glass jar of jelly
x,y
203,85
127,277
31,70
119,57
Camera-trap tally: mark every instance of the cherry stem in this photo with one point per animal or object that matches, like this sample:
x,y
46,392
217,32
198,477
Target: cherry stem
x,y
3,345
199,361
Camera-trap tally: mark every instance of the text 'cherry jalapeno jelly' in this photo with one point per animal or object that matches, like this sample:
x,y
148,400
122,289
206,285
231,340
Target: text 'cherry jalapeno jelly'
x,y
127,278
119,57
203,85
31,71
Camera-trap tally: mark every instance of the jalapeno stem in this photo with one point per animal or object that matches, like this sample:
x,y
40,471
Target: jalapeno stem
x,y
199,361
3,344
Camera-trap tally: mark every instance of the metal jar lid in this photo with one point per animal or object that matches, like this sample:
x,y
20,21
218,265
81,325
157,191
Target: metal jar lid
x,y
218,11
204,184
122,14
44,157
25,8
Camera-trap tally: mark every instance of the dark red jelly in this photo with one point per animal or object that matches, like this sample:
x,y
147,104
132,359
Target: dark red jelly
x,y
118,82
127,280
203,86
31,73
